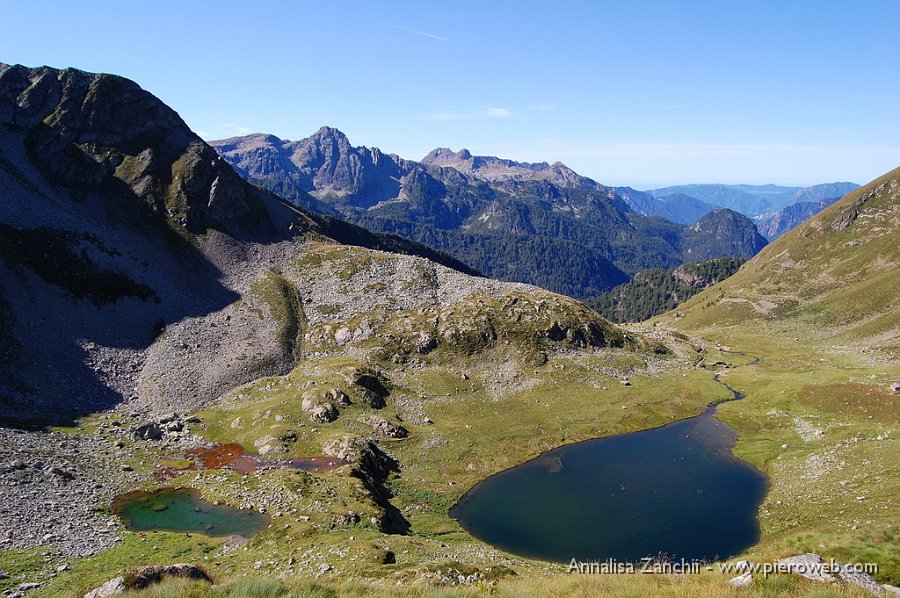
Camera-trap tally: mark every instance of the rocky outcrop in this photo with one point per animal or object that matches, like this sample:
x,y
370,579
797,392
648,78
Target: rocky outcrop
x,y
372,466
319,412
385,429
371,388
144,577
814,567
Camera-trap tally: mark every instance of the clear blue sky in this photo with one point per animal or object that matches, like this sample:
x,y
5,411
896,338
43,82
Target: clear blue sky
x,y
629,93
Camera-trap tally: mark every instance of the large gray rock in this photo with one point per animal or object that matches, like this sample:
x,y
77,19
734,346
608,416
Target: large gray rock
x,y
814,567
741,581
861,579
144,577
809,565
320,413
148,431
113,587
386,429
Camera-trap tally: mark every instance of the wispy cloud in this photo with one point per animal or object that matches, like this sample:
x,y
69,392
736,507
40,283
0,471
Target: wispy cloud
x,y
672,107
495,112
401,28
233,129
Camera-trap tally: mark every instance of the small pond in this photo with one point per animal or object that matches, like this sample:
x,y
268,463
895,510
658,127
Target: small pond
x,y
183,510
675,490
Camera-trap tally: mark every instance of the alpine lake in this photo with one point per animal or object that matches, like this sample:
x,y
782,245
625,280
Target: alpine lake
x,y
669,493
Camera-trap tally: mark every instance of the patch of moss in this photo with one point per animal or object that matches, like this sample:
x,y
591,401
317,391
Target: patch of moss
x,y
285,307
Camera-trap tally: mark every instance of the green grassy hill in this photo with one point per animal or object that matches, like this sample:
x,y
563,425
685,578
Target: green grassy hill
x,y
835,276
818,309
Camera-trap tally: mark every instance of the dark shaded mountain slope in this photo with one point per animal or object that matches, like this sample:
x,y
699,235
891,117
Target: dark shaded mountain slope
x,y
117,221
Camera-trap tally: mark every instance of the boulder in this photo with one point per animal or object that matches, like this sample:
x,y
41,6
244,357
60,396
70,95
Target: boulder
x,y
741,581
143,577
809,565
320,413
858,578
268,445
386,429
338,396
113,587
814,567
148,431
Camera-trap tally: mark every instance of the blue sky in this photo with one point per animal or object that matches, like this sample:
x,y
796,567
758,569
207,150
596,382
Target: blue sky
x,y
645,94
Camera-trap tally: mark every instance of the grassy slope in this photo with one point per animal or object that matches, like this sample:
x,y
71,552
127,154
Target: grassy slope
x,y
820,308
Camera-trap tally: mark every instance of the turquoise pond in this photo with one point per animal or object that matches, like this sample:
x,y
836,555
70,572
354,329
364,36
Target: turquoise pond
x,y
184,510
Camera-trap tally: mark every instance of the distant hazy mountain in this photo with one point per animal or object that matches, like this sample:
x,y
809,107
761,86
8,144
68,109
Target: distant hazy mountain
x,y
753,200
775,224
734,197
834,276
677,207
832,191
531,222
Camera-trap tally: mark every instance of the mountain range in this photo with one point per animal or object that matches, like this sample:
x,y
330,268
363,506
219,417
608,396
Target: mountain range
x,y
764,203
531,222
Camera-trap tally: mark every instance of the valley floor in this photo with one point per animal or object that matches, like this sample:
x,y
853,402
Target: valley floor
x,y
819,419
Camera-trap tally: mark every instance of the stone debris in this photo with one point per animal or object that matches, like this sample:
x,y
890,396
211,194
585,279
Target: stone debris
x,y
55,489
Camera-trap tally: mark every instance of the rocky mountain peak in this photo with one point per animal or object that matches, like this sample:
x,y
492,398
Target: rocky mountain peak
x,y
103,134
444,156
331,134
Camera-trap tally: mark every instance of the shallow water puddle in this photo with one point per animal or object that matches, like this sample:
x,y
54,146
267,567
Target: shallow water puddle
x,y
184,510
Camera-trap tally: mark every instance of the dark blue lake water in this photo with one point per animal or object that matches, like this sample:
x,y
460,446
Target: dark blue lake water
x,y
675,490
